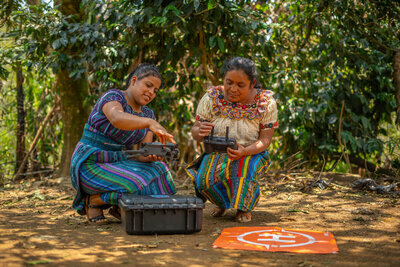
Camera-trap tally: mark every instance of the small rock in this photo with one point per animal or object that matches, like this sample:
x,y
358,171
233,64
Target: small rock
x,y
360,219
362,211
43,238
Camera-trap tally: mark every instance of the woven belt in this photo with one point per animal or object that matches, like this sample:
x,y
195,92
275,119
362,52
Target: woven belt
x,y
95,138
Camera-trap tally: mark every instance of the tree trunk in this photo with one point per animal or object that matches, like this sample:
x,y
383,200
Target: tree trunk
x,y
74,114
72,94
20,150
33,2
396,78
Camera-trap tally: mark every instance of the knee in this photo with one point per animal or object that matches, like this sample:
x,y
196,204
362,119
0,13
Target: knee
x,y
131,187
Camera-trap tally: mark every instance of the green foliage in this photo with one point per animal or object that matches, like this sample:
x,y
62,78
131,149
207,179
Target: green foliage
x,y
37,90
334,52
316,55
7,118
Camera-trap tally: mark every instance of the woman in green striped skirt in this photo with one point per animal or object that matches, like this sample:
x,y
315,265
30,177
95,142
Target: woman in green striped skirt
x,y
230,180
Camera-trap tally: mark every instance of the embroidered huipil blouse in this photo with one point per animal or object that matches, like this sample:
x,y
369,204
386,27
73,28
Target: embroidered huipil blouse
x,y
245,121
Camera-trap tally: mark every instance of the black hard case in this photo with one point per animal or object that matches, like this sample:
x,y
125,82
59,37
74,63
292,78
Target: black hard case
x,y
161,214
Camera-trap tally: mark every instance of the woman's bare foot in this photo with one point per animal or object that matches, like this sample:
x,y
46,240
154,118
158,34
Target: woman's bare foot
x,y
218,212
94,210
243,216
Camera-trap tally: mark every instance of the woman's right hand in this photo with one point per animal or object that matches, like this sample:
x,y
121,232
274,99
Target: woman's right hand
x,y
205,128
161,133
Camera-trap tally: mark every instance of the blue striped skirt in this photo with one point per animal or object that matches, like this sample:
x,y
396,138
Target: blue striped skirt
x,y
99,167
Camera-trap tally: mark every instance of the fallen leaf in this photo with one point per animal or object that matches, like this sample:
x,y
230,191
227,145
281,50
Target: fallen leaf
x,y
39,262
295,210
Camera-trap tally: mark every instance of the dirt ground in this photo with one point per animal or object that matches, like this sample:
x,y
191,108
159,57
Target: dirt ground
x,y
39,227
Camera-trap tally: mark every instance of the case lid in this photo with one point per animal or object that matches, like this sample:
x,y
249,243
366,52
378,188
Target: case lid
x,y
132,201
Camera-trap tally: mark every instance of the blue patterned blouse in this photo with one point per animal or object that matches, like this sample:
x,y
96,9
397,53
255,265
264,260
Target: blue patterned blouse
x,y
99,121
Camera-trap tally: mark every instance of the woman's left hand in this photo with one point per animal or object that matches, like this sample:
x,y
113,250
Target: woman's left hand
x,y
236,154
150,158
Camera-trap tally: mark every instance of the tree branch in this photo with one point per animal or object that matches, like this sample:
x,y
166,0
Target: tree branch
x,y
396,79
204,60
344,150
310,24
35,140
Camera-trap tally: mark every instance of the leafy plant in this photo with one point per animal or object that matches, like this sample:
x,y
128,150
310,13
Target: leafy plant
x,y
330,64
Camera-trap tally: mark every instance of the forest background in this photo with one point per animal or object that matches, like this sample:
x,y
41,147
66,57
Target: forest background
x,y
334,66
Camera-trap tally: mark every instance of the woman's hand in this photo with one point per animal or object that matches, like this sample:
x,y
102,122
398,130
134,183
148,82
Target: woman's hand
x,y
205,128
201,129
236,154
149,158
161,133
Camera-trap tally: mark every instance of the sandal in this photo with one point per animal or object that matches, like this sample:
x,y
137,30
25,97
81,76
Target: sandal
x,y
115,212
218,212
99,219
243,216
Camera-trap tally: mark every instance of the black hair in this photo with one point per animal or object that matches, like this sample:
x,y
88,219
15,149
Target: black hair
x,y
144,70
244,64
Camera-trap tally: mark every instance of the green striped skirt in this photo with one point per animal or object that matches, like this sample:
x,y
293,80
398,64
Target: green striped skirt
x,y
229,183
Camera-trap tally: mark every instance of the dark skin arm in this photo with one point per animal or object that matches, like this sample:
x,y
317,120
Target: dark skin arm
x,y
125,121
200,129
258,146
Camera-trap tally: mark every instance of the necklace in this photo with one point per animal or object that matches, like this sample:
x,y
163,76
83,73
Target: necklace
x,y
238,105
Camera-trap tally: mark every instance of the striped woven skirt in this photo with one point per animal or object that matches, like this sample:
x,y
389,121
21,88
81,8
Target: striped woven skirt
x,y
98,168
229,183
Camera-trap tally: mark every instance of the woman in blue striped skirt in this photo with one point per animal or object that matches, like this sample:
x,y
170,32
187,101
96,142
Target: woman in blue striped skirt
x,y
100,172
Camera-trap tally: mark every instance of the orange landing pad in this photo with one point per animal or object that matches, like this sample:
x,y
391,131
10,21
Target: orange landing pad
x,y
276,239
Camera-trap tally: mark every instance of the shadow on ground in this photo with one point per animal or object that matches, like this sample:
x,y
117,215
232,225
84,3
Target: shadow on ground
x,y
38,227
